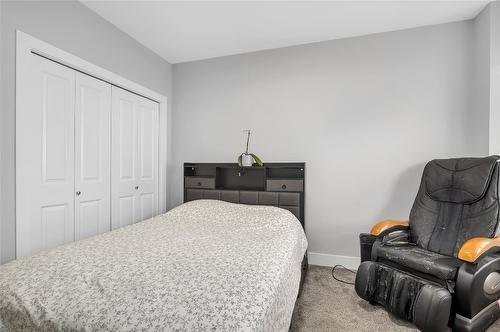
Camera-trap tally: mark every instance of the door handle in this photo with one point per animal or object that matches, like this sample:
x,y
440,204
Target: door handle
x,y
78,193
136,187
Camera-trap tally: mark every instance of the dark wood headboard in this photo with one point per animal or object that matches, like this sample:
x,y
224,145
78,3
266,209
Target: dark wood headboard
x,y
276,184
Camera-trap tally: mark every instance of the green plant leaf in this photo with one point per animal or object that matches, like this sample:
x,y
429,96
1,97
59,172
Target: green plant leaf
x,y
257,159
239,160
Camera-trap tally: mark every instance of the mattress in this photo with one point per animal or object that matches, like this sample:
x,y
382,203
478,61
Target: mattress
x,y
205,265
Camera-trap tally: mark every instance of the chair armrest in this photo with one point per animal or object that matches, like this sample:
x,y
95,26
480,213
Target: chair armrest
x,y
385,226
476,247
470,292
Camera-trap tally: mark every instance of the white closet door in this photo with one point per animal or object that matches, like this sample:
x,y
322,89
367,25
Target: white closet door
x,y
45,158
147,166
92,156
134,164
124,158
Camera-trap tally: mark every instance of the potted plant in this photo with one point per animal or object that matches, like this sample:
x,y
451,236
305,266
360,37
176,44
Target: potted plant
x,y
247,159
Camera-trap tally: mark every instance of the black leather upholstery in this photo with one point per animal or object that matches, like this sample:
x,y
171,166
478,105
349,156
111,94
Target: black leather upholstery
x,y
431,310
418,259
457,200
408,297
420,278
462,181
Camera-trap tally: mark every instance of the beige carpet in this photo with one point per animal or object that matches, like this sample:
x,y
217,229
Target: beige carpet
x,y
329,305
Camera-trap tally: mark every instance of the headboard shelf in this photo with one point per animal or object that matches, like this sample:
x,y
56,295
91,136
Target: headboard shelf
x,y
194,170
277,184
239,178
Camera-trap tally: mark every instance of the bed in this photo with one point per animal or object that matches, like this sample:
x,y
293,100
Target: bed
x,y
205,265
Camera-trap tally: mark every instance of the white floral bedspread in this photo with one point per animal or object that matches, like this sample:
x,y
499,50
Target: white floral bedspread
x,y
204,266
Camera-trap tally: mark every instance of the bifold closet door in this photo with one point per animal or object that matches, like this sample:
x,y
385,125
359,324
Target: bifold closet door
x,y
92,156
134,161
45,157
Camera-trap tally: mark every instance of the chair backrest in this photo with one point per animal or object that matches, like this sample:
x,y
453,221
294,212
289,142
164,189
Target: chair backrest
x,y
457,200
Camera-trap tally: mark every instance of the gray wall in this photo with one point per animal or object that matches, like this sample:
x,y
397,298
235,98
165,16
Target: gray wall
x,y
494,8
365,113
481,64
74,28
486,73
1,98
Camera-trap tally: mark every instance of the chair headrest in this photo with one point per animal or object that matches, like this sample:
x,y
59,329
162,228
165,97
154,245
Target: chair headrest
x,y
459,180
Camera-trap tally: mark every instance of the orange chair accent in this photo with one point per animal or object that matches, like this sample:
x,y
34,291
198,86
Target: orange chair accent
x,y
472,249
384,225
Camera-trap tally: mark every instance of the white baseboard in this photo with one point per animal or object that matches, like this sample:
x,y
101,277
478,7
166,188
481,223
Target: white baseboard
x,y
351,262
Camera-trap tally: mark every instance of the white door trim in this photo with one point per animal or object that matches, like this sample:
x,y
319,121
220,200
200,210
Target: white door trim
x,y
26,44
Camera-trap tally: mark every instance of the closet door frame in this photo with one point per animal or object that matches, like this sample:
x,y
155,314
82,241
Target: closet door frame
x,y
26,45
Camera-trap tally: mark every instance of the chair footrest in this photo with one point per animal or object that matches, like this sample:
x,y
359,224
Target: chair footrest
x,y
406,296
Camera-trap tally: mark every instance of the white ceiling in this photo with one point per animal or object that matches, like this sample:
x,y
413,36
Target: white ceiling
x,y
181,31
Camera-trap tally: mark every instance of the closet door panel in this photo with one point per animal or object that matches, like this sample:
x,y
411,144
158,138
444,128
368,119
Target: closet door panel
x,y
54,225
89,215
126,210
124,158
45,158
148,158
147,208
93,160
127,140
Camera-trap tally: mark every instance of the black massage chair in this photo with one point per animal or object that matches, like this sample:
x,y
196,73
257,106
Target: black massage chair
x,y
439,269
